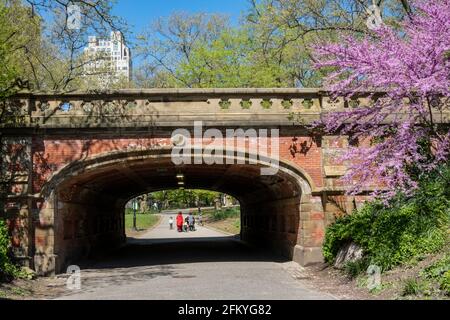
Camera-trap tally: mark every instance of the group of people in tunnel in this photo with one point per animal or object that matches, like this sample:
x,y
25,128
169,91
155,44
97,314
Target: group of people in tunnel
x,y
184,224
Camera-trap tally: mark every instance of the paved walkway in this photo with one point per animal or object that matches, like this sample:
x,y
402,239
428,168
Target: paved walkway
x,y
204,264
162,232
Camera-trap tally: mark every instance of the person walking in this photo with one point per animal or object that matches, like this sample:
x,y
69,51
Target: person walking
x,y
191,221
200,217
171,223
180,221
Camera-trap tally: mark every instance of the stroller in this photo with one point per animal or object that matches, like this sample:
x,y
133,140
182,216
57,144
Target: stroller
x,y
186,225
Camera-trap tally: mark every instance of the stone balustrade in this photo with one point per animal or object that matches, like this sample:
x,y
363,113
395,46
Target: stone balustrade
x,y
179,107
175,107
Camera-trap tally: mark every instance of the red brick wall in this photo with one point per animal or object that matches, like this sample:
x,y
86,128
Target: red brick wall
x,y
50,155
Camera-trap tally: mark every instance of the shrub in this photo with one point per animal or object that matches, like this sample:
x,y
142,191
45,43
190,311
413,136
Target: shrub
x,y
7,268
223,214
445,283
412,287
437,269
394,234
440,272
354,268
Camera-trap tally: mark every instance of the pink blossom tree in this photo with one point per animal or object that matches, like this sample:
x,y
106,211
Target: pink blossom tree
x,y
410,68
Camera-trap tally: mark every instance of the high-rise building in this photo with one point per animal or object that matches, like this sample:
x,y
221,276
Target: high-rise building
x,y
108,58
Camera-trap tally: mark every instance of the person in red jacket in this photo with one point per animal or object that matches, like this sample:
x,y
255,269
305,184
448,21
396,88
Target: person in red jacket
x,y
180,221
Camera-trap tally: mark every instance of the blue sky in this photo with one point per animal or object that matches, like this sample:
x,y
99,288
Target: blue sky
x,y
140,13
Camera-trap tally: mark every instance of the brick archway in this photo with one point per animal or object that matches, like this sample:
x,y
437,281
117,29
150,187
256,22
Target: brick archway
x,y
85,201
51,146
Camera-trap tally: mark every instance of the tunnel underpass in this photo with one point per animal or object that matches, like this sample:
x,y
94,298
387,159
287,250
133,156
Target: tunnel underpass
x,y
91,197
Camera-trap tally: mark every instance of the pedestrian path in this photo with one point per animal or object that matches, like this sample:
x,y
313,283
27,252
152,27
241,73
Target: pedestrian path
x,y
204,264
162,230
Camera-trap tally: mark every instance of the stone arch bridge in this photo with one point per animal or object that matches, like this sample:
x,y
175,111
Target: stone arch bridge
x,y
70,162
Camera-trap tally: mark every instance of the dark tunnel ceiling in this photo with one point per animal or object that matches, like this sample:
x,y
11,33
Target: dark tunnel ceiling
x,y
125,180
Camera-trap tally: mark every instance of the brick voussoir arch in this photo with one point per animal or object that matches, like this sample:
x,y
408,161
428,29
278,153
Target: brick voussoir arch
x,y
111,158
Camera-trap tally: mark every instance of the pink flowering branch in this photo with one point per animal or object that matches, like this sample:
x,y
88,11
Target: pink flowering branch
x,y
412,70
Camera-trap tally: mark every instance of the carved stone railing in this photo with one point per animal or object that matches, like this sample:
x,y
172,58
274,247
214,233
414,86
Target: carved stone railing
x,y
175,107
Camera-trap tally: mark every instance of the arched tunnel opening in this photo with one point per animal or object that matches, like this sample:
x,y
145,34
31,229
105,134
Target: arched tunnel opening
x,y
90,199
176,212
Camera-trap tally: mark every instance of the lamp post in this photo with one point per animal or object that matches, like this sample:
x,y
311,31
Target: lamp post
x,y
135,204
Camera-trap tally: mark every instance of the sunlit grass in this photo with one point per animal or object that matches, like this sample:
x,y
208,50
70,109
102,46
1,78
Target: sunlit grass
x,y
143,221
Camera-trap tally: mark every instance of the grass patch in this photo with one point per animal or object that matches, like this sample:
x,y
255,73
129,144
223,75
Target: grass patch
x,y
143,221
19,291
230,225
412,287
439,273
222,214
227,219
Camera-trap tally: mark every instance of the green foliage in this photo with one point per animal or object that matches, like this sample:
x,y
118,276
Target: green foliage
x,y
266,103
230,60
440,272
223,214
270,47
246,104
183,198
437,269
412,286
21,47
307,103
38,51
237,224
7,269
355,268
143,221
287,104
225,219
445,283
354,103
394,234
225,104
8,65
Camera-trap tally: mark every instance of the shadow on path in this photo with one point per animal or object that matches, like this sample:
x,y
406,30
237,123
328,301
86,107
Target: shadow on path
x,y
159,252
219,267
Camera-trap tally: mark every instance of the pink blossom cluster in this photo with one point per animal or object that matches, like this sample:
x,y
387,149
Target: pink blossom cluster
x,y
407,72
